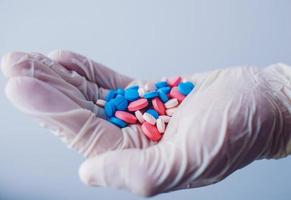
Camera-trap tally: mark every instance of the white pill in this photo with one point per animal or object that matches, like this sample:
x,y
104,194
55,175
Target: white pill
x,y
141,92
100,102
149,118
171,103
164,79
149,87
161,125
165,118
139,116
185,80
171,111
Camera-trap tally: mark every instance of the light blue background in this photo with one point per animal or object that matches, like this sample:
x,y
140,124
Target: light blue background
x,y
136,38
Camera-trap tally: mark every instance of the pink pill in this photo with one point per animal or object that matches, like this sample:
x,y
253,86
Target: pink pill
x,y
151,131
125,116
159,106
138,104
174,81
174,93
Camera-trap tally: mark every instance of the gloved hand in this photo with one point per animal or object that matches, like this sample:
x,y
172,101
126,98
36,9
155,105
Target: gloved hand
x,y
233,117
60,93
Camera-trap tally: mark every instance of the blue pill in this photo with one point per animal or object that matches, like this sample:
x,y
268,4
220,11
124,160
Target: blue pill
x,y
109,108
154,113
131,94
165,90
118,122
120,102
164,98
110,95
134,87
150,95
120,91
185,88
161,84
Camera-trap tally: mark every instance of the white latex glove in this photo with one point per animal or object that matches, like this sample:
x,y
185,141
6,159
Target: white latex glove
x,y
61,97
233,117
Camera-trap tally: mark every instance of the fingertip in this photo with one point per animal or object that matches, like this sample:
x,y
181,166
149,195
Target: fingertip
x,y
92,171
61,55
10,59
10,88
85,173
69,60
32,95
55,54
121,169
19,91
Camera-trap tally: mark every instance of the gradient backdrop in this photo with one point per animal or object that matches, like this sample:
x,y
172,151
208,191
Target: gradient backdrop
x,y
144,39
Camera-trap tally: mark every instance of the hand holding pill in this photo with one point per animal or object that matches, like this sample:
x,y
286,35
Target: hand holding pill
x,y
151,137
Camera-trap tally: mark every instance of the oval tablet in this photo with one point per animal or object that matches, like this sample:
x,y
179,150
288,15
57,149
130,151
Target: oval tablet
x,y
166,90
141,92
171,103
131,94
149,87
161,84
110,95
151,131
158,106
133,87
174,81
149,118
164,78
109,108
126,116
117,122
120,91
120,102
100,102
161,125
174,93
138,105
150,95
165,118
163,96
139,116
171,111
154,113
185,87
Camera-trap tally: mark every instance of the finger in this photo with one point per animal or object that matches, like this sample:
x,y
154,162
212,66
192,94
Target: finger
x,y
11,59
197,78
144,172
23,64
79,128
93,71
89,89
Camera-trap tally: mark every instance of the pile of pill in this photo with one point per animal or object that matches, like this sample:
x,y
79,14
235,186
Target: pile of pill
x,y
152,105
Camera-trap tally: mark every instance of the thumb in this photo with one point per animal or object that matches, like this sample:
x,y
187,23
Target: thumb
x,y
145,172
